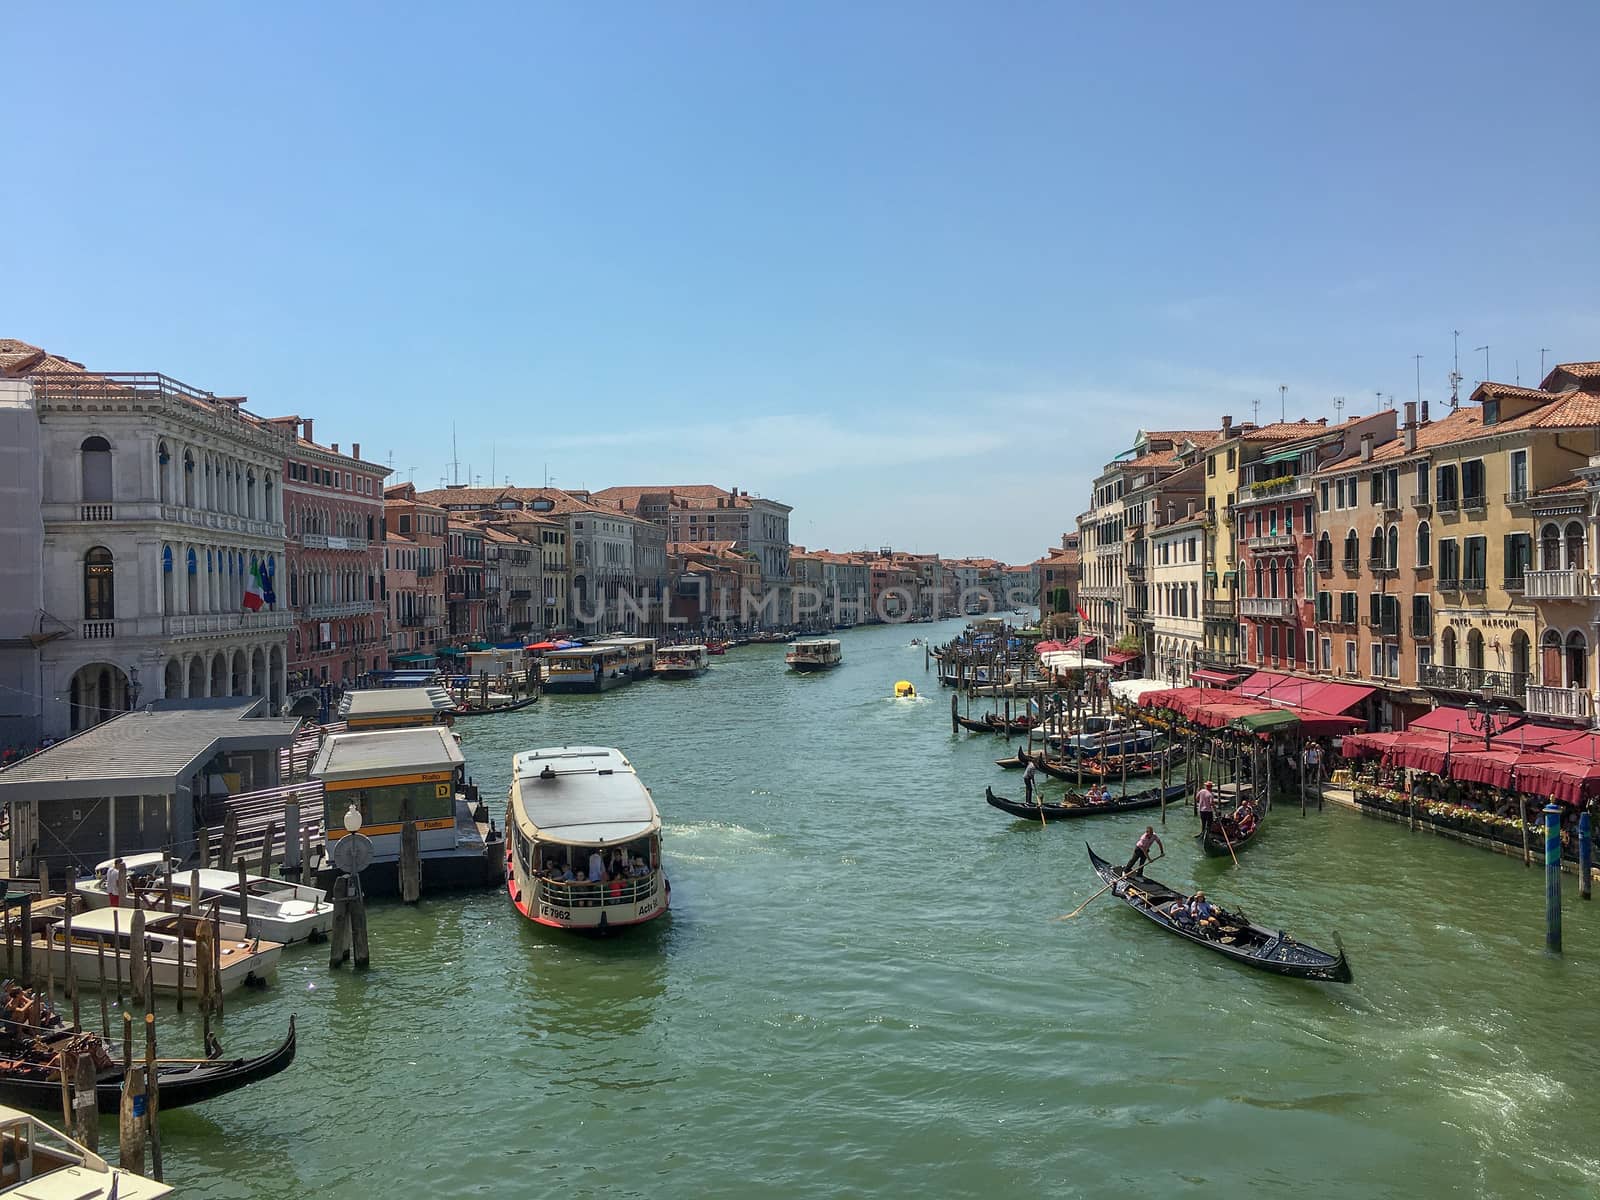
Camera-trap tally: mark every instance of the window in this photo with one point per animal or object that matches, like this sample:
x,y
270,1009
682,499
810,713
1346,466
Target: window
x,y
1576,556
1311,576
1472,484
1352,550
1444,480
1392,548
1424,545
99,582
1449,562
1350,659
1305,513
1325,489
96,453
1377,489
1422,483
1311,648
1519,475
1327,654
1377,659
1325,606
1421,616
1325,551
1519,557
1447,646
1391,653
1475,563
1340,494
1231,459
1211,465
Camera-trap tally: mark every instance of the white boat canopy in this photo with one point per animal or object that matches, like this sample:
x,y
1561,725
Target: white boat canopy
x,y
1072,660
377,703
386,752
582,795
1132,689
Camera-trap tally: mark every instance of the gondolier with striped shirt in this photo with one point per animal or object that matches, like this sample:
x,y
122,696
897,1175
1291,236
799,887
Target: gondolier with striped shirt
x,y
1141,850
1205,803
1030,776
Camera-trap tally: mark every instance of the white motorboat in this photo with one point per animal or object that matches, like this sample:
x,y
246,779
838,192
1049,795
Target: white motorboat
x,y
277,909
681,662
170,937
37,1162
815,654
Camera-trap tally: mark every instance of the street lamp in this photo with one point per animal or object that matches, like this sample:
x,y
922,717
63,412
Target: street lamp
x,y
1484,712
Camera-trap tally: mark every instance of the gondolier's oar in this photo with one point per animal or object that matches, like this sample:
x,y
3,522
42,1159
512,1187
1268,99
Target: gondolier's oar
x,y
1085,904
1227,843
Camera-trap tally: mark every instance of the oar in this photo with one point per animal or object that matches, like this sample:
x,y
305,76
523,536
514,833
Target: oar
x,y
1084,905
1224,830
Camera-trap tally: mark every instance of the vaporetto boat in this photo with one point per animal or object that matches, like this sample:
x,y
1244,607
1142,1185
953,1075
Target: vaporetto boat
x,y
583,840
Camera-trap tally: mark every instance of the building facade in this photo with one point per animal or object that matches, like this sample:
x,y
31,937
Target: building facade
x,y
158,513
414,535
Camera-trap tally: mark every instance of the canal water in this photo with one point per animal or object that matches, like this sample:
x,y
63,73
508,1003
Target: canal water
x,y
861,991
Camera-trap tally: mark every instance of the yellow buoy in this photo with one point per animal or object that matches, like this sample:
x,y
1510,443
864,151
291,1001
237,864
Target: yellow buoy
x,y
903,689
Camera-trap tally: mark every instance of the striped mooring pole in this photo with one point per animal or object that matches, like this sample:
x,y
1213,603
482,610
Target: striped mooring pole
x,y
1552,878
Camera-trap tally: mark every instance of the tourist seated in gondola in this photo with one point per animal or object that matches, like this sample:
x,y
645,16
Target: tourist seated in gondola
x,y
1203,914
1244,819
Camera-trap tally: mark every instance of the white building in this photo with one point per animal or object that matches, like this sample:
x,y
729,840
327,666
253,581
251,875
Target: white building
x,y
156,506
1176,577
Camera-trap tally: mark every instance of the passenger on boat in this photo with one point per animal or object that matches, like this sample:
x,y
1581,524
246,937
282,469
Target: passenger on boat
x,y
1244,819
597,867
1203,914
640,868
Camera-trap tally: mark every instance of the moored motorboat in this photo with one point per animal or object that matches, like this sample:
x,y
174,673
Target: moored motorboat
x,y
275,909
42,1163
1078,806
583,840
1234,936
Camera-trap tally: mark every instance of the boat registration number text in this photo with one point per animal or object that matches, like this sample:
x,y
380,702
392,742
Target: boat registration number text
x,y
555,914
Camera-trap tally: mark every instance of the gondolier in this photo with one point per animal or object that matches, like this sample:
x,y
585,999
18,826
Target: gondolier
x,y
1030,776
1205,803
1141,850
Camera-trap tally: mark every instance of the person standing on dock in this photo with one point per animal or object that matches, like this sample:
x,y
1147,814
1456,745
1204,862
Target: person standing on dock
x,y
1141,850
1030,776
1205,803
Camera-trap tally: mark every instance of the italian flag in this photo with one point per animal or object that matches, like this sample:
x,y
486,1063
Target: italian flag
x,y
253,591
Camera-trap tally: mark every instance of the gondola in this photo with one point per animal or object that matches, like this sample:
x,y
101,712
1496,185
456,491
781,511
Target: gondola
x,y
1214,845
29,1080
1100,770
1014,762
994,724
1239,940
1150,798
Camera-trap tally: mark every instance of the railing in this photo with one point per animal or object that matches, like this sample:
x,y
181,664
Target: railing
x,y
1472,679
260,813
1420,500
95,512
1473,583
1514,583
597,895
1474,502
1325,566
1134,571
94,630
1271,541
1391,509
521,593
1384,627
225,622
1351,563
1447,505
1519,496
1218,609
1448,583
1215,658
1299,486
1422,627
1560,702
1380,566
227,522
348,608
1273,607
1571,584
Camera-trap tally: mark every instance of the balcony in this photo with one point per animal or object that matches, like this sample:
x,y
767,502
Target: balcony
x,y
1272,608
1279,489
1218,610
1380,566
1448,504
1473,583
1271,541
522,593
1351,564
1324,566
1422,627
1391,509
1384,627
1473,503
1134,571
1572,584
1514,583
1573,703
225,522
1508,684
1448,583
95,512
97,630
1421,500
323,541
1518,496
230,622
350,608
1218,659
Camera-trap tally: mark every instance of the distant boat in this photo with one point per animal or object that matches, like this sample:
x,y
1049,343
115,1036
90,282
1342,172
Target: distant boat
x,y
817,654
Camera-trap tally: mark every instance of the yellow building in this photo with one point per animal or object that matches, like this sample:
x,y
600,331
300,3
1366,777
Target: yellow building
x,y
1518,442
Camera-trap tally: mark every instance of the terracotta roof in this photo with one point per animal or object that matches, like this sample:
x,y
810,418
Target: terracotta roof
x,y
1462,424
1280,431
1160,458
1565,488
1511,391
1200,437
1578,370
490,498
678,495
19,358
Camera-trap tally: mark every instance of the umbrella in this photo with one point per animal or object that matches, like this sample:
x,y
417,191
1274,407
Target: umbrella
x,y
567,645
544,646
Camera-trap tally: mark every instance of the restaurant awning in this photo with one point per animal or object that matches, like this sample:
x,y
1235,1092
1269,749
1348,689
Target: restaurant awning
x,y
1080,642
1221,679
1334,698
1265,722
413,657
1448,719
1118,657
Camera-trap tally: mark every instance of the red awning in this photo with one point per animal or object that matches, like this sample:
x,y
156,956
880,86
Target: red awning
x,y
1368,745
1262,683
1572,780
1079,642
1217,679
1117,657
1334,698
1051,647
1449,720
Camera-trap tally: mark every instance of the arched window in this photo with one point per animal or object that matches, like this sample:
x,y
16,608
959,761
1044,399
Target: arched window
x,y
1550,662
1577,558
1376,551
1272,580
1550,548
1392,557
1577,660
1352,548
1261,579
1325,549
1520,655
99,590
96,452
1311,577
250,493
1447,646
1475,650
1424,544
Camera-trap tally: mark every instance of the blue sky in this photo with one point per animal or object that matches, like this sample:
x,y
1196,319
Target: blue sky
x,y
916,269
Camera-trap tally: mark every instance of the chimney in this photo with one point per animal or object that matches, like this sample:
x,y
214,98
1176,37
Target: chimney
x,y
1227,426
355,449
1408,435
1411,414
335,447
305,430
1193,505
1366,447
1424,412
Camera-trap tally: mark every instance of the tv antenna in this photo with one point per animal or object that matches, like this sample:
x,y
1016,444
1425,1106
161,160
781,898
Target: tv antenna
x,y
1543,350
1418,357
455,462
1485,349
1255,411
1455,372
1338,410
1283,402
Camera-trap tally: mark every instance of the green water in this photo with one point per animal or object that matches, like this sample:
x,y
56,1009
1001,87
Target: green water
x,y
860,991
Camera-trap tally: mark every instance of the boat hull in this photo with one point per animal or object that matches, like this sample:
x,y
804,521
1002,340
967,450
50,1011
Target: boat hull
x,y
806,668
1062,812
445,871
